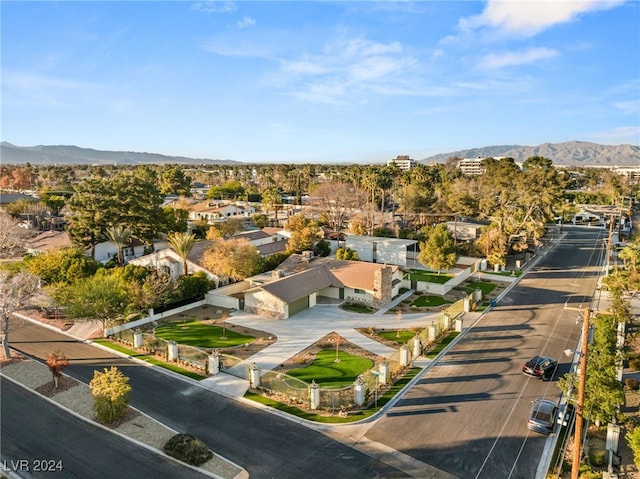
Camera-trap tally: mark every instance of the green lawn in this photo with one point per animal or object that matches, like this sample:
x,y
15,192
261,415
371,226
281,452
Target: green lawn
x,y
357,308
421,275
399,336
195,333
149,359
356,416
328,373
484,286
429,301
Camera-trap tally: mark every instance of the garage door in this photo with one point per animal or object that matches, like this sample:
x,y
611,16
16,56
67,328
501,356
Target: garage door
x,y
298,305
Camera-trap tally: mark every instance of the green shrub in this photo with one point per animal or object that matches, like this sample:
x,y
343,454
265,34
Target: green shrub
x,y
110,390
586,472
597,457
632,384
634,364
187,448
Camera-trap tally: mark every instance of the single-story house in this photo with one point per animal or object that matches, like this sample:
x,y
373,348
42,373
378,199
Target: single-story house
x,y
170,262
266,243
300,282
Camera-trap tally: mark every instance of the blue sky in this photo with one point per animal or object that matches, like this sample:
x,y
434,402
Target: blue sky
x,y
310,81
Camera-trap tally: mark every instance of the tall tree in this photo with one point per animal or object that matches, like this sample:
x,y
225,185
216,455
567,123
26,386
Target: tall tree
x,y
15,291
182,243
130,199
272,199
235,259
174,181
438,251
335,202
304,233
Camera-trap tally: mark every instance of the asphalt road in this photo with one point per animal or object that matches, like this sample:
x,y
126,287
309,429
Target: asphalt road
x,y
42,440
266,445
467,416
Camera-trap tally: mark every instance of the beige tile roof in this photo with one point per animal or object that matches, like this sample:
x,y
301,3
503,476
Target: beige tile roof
x,y
296,286
303,277
50,240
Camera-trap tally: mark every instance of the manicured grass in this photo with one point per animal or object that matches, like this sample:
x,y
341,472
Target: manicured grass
x,y
328,373
195,333
399,336
443,343
357,308
149,359
356,416
420,275
429,301
484,286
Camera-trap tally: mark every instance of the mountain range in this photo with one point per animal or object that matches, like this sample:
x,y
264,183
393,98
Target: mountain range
x,y
572,153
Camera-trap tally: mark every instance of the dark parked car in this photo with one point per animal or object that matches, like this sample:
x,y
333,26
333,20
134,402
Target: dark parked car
x,y
542,416
540,367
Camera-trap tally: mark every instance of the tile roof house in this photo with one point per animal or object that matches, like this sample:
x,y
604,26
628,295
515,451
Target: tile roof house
x,y
299,283
266,242
214,211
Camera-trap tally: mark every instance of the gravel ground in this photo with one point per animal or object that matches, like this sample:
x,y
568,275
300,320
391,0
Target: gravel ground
x,y
76,396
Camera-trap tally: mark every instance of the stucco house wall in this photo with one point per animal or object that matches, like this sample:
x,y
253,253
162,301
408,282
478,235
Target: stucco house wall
x,y
265,304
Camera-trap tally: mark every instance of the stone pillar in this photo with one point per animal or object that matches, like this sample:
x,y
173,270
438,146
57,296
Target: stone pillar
x,y
477,295
358,391
172,351
483,264
446,321
417,346
383,369
214,362
433,332
458,325
137,339
404,355
314,395
254,376
518,264
467,305
496,268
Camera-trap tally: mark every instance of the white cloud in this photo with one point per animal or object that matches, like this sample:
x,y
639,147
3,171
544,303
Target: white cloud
x,y
622,134
214,6
527,18
246,22
522,57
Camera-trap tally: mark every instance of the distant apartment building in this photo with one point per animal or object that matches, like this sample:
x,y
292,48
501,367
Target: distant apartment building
x,y
471,166
403,162
474,166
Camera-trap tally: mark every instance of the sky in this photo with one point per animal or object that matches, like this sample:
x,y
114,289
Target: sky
x,y
318,82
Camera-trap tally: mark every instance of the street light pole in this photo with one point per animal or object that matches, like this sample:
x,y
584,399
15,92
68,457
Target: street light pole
x,y
577,443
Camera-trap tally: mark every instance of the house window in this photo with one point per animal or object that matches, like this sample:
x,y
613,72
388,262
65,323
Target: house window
x,y
359,291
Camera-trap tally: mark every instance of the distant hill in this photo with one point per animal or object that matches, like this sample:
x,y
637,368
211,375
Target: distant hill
x,y
74,155
571,153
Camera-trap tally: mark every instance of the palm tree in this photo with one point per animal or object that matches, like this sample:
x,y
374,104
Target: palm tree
x,y
182,243
272,199
119,235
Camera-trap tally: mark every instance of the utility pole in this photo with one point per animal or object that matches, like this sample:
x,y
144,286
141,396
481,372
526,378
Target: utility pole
x,y
577,442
